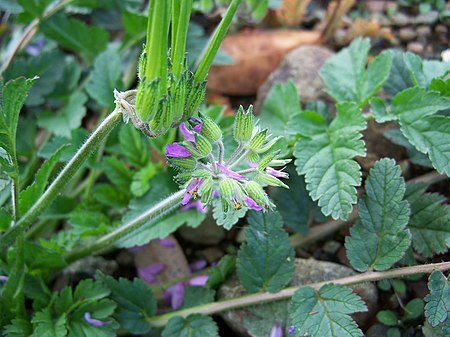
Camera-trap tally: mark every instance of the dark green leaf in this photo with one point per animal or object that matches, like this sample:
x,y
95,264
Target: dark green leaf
x,y
18,328
399,78
195,325
35,7
266,260
5,220
261,318
194,296
438,301
133,145
46,326
220,273
387,317
86,222
413,309
423,72
110,196
118,173
380,238
39,258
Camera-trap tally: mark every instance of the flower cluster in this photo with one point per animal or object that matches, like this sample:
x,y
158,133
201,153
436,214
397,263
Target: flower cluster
x,y
239,179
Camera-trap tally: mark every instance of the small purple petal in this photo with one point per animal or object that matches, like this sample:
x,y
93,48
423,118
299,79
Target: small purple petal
x,y
186,198
148,274
136,249
251,203
93,321
291,330
216,194
198,281
198,265
253,164
177,151
199,124
166,243
277,330
197,205
230,173
175,296
3,278
277,173
188,135
215,263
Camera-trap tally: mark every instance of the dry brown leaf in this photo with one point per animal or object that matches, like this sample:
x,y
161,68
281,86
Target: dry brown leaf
x,y
292,12
333,17
256,54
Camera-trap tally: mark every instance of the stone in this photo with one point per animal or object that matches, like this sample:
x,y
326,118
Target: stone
x,y
399,19
428,18
415,47
423,31
407,34
306,271
302,65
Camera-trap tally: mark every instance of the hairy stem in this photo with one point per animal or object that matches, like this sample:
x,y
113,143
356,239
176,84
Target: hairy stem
x,y
235,153
160,209
61,180
241,158
248,300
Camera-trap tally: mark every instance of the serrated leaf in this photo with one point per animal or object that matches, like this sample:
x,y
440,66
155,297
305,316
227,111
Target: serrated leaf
x,y
229,219
195,325
68,118
260,319
18,327
220,273
414,108
325,313
399,78
110,196
423,72
5,220
266,260
380,238
88,222
118,173
429,221
195,295
46,326
105,77
438,301
325,156
133,145
39,258
135,303
32,193
75,35
347,78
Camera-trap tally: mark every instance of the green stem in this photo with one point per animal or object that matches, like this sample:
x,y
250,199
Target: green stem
x,y
181,14
61,180
15,197
214,44
160,209
241,158
248,300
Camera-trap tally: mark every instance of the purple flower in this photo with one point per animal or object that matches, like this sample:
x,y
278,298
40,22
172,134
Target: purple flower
x,y
199,124
93,321
167,243
3,278
198,265
251,203
148,274
177,151
291,330
174,296
198,281
277,173
230,173
197,205
277,330
192,190
188,135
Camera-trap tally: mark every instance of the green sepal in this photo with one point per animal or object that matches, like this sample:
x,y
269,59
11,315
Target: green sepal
x,y
206,191
257,193
210,129
252,157
201,174
182,177
266,147
177,98
202,147
147,99
270,180
183,164
258,140
266,160
195,95
243,124
163,118
142,64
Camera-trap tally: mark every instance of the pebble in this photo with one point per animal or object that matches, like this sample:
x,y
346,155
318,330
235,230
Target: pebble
x,y
400,19
427,18
407,34
415,47
441,29
423,31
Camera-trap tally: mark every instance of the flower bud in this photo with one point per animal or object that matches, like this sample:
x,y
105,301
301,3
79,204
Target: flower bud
x,y
201,147
257,193
266,160
147,99
243,124
201,174
270,180
210,129
182,177
195,94
252,157
178,98
258,140
163,118
266,147
183,164
206,190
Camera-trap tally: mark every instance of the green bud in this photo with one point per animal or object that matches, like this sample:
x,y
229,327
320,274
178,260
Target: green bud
x,y
210,129
226,191
183,177
206,190
243,124
203,145
258,140
279,162
147,99
253,157
201,174
270,180
266,160
266,147
195,95
257,193
183,164
163,118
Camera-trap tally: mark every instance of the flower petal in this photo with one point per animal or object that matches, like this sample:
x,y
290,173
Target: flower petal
x,y
175,296
230,173
199,124
93,321
277,330
148,274
175,150
197,205
251,203
166,243
277,173
198,265
3,278
188,135
291,330
198,281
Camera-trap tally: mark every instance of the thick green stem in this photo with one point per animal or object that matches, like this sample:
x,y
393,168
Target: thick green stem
x,y
214,44
160,209
260,298
61,180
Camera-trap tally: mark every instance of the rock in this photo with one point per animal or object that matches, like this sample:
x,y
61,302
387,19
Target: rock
x,y
306,271
301,65
407,34
400,19
415,47
428,18
441,29
423,31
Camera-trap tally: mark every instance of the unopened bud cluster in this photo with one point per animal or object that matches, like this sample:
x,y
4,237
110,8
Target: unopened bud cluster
x,y
238,180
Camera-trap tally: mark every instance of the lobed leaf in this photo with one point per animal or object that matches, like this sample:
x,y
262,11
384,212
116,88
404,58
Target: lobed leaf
x,y
325,156
380,238
325,313
266,260
46,326
195,325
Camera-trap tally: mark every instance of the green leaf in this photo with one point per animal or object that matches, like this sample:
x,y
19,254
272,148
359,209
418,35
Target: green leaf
x,y
438,301
429,221
347,78
325,156
281,103
36,7
46,326
88,222
18,327
133,146
220,273
118,173
75,35
266,260
414,108
260,319
142,179
68,118
28,197
423,72
5,220
39,258
325,313
413,309
135,303
110,196
195,325
195,295
380,239
12,97
387,317
105,77
399,78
